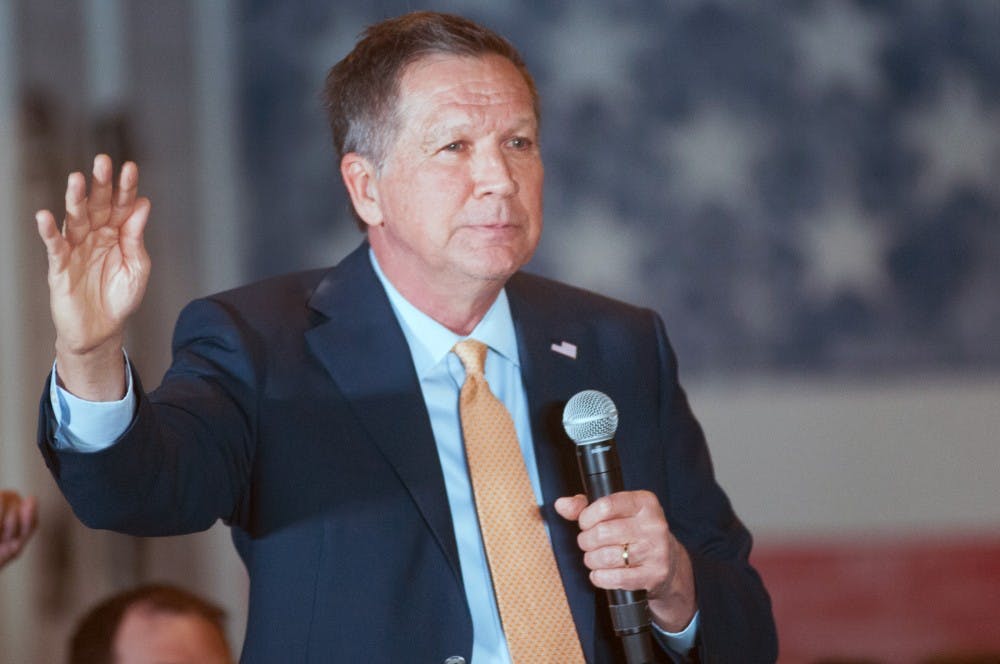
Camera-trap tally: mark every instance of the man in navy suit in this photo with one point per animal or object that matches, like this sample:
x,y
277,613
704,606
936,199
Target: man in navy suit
x,y
317,412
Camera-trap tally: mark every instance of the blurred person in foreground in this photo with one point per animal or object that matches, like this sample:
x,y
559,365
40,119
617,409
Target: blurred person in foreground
x,y
151,624
18,520
335,418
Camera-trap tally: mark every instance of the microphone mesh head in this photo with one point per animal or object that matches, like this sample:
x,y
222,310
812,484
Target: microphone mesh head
x,y
589,417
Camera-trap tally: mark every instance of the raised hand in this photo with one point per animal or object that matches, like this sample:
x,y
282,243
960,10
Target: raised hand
x,y
98,271
18,518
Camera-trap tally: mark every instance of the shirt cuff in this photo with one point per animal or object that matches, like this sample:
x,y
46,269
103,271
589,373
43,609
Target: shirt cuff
x,y
90,426
681,642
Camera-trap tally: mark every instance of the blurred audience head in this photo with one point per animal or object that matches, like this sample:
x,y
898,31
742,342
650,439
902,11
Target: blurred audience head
x,y
151,624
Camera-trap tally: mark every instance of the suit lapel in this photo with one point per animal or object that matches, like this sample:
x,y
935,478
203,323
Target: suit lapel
x,y
363,348
550,379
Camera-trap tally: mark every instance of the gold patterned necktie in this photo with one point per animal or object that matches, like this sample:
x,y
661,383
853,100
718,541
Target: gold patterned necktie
x,y
533,606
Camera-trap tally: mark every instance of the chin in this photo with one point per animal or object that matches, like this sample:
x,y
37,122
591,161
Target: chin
x,y
497,265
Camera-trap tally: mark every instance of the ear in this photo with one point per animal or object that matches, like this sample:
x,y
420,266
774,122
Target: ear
x,y
362,185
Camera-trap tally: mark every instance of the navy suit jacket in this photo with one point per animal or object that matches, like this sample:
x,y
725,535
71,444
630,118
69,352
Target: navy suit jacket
x,y
293,412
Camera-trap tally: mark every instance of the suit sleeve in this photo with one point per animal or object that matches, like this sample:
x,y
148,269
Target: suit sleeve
x,y
184,461
736,622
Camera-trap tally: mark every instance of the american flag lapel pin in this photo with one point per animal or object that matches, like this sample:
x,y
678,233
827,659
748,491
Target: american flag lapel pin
x,y
565,348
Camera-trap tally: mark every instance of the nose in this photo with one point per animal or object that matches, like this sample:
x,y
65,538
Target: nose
x,y
492,174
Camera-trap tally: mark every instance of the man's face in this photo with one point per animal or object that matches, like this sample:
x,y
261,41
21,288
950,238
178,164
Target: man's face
x,y
150,636
460,191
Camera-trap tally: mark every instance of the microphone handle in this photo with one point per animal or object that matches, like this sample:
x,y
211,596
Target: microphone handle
x,y
630,617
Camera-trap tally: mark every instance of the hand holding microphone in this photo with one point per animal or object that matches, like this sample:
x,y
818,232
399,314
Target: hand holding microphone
x,y
624,536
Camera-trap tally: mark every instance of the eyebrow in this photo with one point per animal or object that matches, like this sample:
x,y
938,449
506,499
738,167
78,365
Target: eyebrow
x,y
436,131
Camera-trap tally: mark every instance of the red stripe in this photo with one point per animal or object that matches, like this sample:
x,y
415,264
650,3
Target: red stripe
x,y
887,600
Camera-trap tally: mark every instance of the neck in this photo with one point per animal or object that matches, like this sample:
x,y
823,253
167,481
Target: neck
x,y
458,304
460,318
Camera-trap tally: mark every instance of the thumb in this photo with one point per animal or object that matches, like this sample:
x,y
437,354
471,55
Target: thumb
x,y
569,507
55,244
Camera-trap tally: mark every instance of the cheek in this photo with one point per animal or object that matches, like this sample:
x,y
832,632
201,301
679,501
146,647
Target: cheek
x,y
436,193
448,186
530,181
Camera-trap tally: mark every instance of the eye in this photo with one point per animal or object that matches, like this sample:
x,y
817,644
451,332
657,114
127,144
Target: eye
x,y
454,146
520,143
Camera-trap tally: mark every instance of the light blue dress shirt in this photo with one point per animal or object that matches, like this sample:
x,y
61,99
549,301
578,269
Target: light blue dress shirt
x,y
90,426
441,375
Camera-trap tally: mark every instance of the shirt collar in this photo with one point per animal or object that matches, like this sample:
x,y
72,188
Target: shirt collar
x,y
430,341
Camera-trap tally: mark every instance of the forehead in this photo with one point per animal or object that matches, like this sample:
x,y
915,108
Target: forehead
x,y
438,88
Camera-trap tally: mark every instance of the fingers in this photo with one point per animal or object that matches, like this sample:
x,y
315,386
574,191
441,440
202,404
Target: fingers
x,y
632,518
620,505
617,555
7,515
77,222
125,197
639,564
131,238
133,227
10,521
616,506
99,201
624,516
621,578
29,516
105,204
18,519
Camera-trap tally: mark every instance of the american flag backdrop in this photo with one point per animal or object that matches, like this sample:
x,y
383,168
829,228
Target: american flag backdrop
x,y
796,186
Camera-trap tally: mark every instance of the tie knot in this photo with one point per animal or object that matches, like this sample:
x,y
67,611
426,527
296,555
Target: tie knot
x,y
473,355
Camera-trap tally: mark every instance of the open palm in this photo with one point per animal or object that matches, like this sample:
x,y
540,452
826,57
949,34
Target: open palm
x,y
98,265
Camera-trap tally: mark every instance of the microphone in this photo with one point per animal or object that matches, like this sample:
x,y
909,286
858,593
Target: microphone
x,y
590,419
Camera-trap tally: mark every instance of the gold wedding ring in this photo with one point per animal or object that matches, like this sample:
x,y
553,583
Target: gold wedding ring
x,y
625,554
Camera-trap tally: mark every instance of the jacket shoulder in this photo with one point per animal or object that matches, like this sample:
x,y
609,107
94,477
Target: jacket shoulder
x,y
573,302
273,293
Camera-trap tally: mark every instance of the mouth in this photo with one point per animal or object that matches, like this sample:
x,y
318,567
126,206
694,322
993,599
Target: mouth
x,y
497,228
499,222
